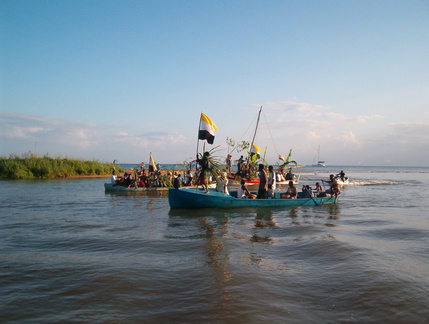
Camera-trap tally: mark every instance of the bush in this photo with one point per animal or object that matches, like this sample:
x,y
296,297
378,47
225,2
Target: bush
x,y
30,166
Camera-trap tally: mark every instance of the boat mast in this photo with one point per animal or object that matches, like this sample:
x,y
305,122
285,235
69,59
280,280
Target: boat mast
x,y
256,128
317,156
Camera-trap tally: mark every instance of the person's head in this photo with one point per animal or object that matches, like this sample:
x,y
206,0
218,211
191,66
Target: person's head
x,y
270,168
331,176
114,172
317,184
243,182
261,167
290,183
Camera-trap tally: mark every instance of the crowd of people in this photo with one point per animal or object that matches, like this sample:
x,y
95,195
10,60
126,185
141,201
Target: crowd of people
x,y
154,177
151,177
267,186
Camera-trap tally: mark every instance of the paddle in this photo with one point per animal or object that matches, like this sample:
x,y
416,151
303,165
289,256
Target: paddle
x,y
315,202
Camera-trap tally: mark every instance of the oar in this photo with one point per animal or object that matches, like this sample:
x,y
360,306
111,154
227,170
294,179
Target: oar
x,y
315,202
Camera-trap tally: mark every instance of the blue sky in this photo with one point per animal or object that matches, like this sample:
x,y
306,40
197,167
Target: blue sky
x,y
119,79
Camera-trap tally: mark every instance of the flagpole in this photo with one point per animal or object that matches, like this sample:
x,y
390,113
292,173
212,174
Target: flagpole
x,y
198,135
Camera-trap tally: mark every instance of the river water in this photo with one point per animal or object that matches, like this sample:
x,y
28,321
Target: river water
x,y
69,252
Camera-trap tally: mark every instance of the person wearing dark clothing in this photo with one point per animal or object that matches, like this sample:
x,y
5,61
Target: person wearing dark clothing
x,y
263,183
205,170
342,175
177,183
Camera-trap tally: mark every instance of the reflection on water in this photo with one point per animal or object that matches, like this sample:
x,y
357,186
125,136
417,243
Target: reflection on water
x,y
217,257
263,220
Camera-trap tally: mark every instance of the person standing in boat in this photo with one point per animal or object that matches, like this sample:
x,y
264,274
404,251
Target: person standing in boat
x,y
228,162
205,170
177,183
142,165
289,175
271,182
334,186
263,183
222,182
239,164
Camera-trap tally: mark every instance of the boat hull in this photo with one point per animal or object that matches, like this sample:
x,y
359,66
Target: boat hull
x,y
196,198
110,187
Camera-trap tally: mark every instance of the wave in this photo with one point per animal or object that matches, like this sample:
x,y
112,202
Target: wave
x,y
373,182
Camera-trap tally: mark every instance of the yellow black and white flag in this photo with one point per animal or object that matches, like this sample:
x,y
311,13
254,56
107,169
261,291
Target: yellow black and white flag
x,y
207,129
255,149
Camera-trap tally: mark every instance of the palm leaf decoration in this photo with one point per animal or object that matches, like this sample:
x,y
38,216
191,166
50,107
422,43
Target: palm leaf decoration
x,y
216,166
287,161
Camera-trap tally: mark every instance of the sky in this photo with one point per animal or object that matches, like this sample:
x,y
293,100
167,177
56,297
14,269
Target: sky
x,y
116,80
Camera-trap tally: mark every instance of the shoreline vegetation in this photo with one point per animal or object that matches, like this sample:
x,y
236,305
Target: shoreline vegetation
x,y
34,166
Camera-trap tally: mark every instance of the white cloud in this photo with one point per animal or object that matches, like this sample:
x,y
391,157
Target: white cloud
x,y
22,133
292,125
364,119
412,132
350,139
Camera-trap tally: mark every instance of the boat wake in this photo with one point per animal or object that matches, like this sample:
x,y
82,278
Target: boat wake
x,y
377,182
362,182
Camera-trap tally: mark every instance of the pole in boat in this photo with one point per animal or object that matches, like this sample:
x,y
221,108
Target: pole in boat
x,y
196,155
254,134
198,134
256,128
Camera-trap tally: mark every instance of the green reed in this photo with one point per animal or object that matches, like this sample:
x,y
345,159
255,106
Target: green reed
x,y
33,166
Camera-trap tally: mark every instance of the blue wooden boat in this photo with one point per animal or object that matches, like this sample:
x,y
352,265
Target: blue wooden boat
x,y
197,198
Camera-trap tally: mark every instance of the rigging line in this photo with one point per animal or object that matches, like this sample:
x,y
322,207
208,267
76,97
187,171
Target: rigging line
x,y
251,124
269,130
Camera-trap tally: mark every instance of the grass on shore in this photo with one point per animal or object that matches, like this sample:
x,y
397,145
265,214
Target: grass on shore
x,y
34,166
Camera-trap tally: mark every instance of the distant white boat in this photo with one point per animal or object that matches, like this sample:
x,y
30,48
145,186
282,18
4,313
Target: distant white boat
x,y
320,163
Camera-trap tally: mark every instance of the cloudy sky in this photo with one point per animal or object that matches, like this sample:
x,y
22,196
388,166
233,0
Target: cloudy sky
x,y
113,80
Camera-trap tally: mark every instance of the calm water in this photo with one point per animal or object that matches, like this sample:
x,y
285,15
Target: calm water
x,y
69,252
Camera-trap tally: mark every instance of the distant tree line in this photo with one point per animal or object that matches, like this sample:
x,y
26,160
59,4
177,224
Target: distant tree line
x,y
34,166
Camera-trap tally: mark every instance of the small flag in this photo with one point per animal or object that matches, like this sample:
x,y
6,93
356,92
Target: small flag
x,y
281,157
152,162
207,129
255,149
